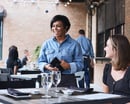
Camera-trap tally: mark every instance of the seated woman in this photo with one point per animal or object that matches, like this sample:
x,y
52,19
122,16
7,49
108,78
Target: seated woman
x,y
116,76
13,62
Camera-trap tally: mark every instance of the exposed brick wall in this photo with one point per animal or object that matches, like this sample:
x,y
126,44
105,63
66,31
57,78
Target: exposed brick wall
x,y
27,26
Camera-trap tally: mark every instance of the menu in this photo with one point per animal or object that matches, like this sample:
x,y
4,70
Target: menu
x,y
98,96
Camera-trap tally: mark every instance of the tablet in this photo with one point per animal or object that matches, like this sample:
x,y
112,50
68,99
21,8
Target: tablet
x,y
23,96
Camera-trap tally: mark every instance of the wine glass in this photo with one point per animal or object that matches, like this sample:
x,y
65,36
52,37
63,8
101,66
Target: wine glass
x,y
56,78
47,83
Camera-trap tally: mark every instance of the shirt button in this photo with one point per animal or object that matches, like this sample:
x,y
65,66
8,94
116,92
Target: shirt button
x,y
113,83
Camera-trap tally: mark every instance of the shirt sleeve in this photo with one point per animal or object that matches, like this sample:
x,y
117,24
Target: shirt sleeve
x,y
91,49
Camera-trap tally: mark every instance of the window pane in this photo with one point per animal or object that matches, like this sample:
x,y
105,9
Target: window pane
x,y
1,38
100,45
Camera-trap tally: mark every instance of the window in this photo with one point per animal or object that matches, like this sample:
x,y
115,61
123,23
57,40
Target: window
x,y
1,37
110,21
2,14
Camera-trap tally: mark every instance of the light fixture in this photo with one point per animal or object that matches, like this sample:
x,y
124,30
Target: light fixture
x,y
66,2
91,6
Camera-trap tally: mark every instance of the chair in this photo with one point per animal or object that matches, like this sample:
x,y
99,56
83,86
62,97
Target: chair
x,y
79,76
30,72
4,77
5,74
5,70
17,84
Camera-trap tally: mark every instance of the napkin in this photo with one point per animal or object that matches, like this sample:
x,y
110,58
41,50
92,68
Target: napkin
x,y
77,91
16,92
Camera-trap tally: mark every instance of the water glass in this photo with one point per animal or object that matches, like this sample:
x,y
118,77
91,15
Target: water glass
x,y
56,78
47,83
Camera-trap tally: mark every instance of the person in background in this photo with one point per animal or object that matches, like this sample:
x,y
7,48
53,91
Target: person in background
x,y
66,49
13,62
116,75
88,56
27,58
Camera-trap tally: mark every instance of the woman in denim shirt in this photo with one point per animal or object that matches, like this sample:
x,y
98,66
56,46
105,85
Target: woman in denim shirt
x,y
66,49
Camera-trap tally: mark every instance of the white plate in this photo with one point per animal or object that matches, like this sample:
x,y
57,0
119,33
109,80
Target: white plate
x,y
67,91
25,96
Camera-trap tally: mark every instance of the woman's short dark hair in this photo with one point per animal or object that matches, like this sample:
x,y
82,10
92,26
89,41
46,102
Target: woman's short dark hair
x,y
63,19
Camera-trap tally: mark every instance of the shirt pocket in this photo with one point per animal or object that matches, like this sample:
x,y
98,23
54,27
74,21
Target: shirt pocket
x,y
49,52
67,55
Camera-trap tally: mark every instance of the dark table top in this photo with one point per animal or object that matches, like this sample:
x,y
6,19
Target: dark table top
x,y
60,98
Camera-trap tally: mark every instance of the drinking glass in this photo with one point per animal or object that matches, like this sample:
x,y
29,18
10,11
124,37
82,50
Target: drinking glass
x,y
47,83
56,78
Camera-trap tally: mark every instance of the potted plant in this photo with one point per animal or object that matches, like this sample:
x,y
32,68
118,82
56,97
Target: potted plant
x,y
36,52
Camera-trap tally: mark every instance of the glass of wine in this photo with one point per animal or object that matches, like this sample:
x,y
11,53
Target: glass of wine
x,y
56,78
47,80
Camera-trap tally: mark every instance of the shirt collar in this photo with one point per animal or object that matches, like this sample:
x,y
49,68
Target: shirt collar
x,y
67,36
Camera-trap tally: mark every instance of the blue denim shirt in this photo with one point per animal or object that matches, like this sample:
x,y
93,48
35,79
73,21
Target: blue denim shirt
x,y
86,46
69,50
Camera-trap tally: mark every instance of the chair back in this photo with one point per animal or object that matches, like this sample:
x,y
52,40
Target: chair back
x,y
17,84
30,72
5,74
79,76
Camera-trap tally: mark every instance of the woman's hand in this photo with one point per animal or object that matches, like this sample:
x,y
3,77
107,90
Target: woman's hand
x,y
65,65
48,67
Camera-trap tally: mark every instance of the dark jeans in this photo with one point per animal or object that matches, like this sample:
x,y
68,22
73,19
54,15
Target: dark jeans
x,y
86,79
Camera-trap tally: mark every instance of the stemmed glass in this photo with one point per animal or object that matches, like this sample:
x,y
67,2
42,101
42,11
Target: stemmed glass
x,y
47,83
56,78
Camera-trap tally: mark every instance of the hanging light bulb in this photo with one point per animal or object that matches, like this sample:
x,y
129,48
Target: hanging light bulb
x,y
68,3
65,5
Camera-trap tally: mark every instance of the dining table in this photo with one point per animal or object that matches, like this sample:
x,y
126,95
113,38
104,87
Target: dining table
x,y
25,76
77,96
